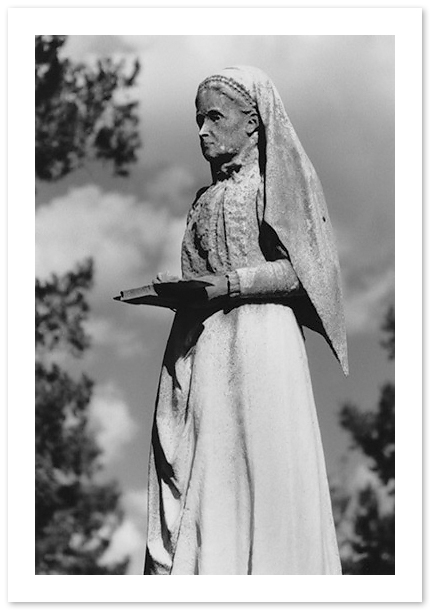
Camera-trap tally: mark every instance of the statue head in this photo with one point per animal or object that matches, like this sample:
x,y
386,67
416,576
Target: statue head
x,y
228,122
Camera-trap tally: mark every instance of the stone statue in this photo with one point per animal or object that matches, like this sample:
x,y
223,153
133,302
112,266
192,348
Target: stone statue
x,y
237,479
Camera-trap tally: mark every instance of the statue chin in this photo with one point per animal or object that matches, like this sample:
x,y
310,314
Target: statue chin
x,y
217,159
210,154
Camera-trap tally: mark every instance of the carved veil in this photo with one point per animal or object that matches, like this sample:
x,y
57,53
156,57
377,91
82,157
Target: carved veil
x,y
295,208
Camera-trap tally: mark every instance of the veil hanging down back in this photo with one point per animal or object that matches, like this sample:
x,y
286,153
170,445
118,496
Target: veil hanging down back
x,y
295,208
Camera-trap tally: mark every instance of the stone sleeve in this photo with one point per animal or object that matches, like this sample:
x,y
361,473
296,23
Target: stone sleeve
x,y
273,278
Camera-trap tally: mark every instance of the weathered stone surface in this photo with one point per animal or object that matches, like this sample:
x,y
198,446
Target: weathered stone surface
x,y
237,475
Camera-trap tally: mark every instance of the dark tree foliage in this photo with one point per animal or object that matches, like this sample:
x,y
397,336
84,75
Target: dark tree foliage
x,y
82,112
374,541
76,514
61,308
373,433
390,330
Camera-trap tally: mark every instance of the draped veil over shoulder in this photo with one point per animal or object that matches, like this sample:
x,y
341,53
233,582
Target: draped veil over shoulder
x,y
237,479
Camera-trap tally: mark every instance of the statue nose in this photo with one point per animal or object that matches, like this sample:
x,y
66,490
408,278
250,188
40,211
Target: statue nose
x,y
203,131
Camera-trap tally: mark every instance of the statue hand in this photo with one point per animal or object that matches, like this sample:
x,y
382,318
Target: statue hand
x,y
218,288
201,297
165,276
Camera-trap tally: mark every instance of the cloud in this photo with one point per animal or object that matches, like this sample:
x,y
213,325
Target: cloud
x,y
129,240
368,278
106,333
174,187
111,421
117,230
127,542
366,305
80,48
170,260
130,538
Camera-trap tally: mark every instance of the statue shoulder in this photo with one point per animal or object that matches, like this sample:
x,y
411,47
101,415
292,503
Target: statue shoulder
x,y
199,193
197,197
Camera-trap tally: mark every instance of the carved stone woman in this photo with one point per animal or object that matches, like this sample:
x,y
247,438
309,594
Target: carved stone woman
x,y
237,480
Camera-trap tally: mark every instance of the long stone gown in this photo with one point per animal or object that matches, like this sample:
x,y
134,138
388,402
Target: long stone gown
x,y
237,479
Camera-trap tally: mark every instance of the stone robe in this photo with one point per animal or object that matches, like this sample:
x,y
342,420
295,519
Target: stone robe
x,y
237,479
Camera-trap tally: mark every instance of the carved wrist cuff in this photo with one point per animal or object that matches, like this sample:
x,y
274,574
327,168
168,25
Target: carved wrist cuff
x,y
233,284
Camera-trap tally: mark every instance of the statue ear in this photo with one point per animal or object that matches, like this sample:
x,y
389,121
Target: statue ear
x,y
252,124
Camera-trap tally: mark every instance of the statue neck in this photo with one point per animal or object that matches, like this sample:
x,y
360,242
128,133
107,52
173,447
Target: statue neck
x,y
245,160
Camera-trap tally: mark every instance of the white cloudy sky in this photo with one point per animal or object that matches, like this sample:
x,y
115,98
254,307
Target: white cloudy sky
x,y
339,93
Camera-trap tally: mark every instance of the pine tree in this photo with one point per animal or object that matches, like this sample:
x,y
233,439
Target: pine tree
x,y
82,113
76,514
368,514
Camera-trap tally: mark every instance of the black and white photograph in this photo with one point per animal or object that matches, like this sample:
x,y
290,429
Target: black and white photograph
x,y
215,311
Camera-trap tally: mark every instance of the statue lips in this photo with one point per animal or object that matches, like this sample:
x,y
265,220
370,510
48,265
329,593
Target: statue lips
x,y
205,143
207,148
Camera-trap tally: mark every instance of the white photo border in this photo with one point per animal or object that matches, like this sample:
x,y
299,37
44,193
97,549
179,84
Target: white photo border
x,y
403,23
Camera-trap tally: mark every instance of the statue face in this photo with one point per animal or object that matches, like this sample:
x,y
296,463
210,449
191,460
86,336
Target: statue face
x,y
224,129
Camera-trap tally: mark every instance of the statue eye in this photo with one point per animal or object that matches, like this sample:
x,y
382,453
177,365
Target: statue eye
x,y
214,116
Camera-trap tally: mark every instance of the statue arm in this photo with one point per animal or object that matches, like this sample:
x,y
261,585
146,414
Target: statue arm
x,y
271,279
275,278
